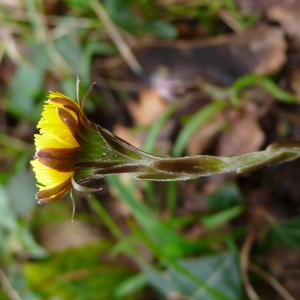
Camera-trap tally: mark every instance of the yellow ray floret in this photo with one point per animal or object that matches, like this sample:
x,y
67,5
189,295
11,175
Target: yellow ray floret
x,y
49,178
52,142
53,131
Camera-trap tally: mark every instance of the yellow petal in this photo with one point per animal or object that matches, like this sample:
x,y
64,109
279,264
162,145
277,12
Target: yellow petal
x,y
52,95
48,178
53,131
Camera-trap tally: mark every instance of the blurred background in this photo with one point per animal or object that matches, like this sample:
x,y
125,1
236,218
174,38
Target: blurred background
x,y
173,77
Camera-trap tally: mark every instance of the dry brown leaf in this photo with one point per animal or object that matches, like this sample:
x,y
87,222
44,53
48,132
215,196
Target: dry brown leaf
x,y
63,235
284,12
126,134
251,6
148,108
244,135
223,59
295,82
204,136
287,14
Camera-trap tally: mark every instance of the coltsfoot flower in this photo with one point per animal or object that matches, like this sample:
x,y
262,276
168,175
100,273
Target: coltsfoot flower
x,y
73,152
56,146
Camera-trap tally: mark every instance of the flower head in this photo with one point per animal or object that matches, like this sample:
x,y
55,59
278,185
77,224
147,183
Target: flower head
x,y
72,151
56,146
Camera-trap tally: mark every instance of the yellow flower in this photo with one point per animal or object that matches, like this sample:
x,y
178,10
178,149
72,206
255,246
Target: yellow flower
x,y
73,152
56,146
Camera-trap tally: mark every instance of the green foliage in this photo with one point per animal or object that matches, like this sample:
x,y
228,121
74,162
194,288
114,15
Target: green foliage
x,y
13,233
77,274
220,218
122,15
224,197
266,83
170,242
227,201
286,233
51,54
154,130
195,122
21,192
130,286
70,50
25,86
208,13
219,272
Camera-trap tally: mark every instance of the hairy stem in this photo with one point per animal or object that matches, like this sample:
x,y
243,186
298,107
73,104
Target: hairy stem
x,y
190,167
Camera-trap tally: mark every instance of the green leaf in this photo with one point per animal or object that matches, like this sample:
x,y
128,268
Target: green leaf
x,y
67,84
39,55
28,242
161,29
162,235
81,5
91,48
3,296
70,49
105,217
24,87
16,235
194,123
78,271
286,233
21,191
222,217
265,82
121,14
18,281
220,272
154,130
130,286
7,217
224,197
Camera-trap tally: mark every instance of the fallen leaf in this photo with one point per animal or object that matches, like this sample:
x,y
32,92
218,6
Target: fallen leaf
x,y
295,81
243,135
126,134
204,136
220,60
148,108
286,13
63,235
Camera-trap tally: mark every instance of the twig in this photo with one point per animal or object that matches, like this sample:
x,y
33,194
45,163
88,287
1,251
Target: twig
x,y
244,266
277,286
10,45
117,38
16,15
61,66
7,287
229,20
